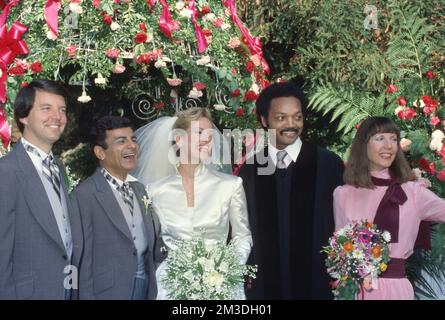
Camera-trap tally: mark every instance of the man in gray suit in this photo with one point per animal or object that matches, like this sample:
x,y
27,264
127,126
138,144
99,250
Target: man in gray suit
x,y
40,229
120,230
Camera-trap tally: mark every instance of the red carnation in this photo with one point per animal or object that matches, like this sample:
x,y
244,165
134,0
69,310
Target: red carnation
x,y
112,53
96,3
391,88
140,37
217,22
430,74
441,175
235,93
142,27
36,67
207,32
410,113
107,19
401,101
250,66
205,10
239,112
250,95
16,71
434,121
426,166
158,105
24,84
71,51
199,85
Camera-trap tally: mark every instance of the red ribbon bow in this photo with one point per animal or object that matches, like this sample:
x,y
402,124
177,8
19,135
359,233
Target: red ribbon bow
x,y
5,132
166,23
11,45
151,3
52,8
253,43
200,37
5,12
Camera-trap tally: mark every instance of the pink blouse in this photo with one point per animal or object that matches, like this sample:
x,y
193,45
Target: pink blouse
x,y
353,204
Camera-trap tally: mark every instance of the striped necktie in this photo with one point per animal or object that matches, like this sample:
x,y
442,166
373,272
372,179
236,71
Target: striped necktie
x,y
125,190
281,155
50,170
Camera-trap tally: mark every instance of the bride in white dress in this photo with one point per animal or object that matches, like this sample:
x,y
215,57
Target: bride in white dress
x,y
192,195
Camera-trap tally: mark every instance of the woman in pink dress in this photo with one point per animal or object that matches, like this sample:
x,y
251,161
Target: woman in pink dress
x,y
381,187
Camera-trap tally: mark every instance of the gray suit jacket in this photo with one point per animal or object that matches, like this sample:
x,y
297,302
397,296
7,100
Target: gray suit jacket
x,y
110,259
32,254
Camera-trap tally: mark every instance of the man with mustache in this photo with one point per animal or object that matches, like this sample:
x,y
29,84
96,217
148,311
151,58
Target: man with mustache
x,y
40,230
291,206
120,231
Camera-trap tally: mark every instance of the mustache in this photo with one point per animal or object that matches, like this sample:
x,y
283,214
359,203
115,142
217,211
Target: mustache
x,y
289,130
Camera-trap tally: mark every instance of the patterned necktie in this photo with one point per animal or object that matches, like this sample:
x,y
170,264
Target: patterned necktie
x,y
280,159
125,190
50,169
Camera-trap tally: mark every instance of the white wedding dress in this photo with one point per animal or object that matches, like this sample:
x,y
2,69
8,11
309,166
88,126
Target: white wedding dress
x,y
220,202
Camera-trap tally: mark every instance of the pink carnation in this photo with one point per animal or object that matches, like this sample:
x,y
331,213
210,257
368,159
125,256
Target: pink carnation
x,y
112,53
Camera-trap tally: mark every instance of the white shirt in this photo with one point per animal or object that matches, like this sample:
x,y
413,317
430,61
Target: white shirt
x,y
293,150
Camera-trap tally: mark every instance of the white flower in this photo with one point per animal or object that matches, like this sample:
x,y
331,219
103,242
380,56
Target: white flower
x,y
219,107
209,17
149,38
203,60
386,236
255,88
436,145
84,98
187,13
405,144
438,135
179,5
398,109
76,8
225,26
166,59
100,79
50,35
224,267
115,26
195,93
214,279
357,254
160,64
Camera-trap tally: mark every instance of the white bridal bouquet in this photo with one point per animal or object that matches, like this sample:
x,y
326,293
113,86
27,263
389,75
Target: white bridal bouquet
x,y
197,270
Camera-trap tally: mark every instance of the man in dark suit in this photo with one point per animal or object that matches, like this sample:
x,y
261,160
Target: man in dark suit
x,y
289,189
40,229
120,230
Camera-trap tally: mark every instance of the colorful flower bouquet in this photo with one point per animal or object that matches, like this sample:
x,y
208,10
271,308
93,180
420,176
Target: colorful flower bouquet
x,y
356,255
198,270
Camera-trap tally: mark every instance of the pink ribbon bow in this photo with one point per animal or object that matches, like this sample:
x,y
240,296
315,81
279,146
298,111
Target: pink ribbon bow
x,y
200,37
52,8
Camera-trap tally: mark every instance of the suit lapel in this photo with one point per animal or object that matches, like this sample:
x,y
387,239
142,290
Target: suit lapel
x,y
147,217
109,204
35,195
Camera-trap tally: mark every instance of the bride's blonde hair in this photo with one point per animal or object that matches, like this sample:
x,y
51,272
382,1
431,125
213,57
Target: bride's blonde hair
x,y
186,117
